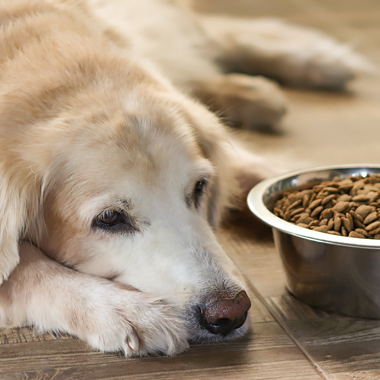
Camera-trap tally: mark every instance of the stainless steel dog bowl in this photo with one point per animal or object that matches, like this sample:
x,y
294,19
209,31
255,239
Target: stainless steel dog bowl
x,y
334,273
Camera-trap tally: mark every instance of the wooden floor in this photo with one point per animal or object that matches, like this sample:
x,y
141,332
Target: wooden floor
x,y
289,340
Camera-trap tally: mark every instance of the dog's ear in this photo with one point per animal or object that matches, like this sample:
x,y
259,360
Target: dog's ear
x,y
237,169
19,200
214,141
223,187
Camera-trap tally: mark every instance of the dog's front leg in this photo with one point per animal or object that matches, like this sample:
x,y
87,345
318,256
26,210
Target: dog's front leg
x,y
108,316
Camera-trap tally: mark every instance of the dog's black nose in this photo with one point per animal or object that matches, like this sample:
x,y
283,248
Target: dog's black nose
x,y
226,314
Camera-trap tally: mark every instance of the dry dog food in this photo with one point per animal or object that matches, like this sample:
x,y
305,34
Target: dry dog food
x,y
345,207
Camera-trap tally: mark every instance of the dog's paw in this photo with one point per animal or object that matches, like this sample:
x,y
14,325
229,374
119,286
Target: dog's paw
x,y
134,323
245,101
252,102
156,330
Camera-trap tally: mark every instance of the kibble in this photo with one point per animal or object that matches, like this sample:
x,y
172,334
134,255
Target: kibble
x,y
315,203
346,223
364,210
372,226
371,217
343,207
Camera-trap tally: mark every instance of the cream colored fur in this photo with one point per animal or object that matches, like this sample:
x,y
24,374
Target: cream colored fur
x,y
196,51
91,121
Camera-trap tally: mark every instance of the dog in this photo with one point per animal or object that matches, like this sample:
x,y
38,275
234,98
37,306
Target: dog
x,y
114,175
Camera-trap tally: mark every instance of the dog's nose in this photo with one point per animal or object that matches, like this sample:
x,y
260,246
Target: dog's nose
x,y
226,314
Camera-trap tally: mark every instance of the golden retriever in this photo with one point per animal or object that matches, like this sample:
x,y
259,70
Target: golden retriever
x,y
112,180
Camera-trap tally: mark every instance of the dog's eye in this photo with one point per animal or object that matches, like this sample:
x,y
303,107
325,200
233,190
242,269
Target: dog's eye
x,y
200,186
110,218
199,189
113,221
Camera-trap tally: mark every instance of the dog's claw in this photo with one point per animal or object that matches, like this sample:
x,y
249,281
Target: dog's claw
x,y
133,341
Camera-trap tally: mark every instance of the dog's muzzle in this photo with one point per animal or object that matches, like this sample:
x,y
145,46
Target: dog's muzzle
x,y
225,314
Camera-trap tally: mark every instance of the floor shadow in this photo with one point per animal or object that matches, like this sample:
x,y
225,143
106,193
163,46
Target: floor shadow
x,y
246,226
264,129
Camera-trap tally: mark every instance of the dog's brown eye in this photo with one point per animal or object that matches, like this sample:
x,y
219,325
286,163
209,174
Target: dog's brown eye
x,y
199,186
110,218
199,190
114,221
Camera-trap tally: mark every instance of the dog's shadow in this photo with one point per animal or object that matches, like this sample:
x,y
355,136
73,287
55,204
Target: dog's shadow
x,y
244,225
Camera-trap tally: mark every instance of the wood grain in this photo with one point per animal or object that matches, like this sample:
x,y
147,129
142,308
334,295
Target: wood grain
x,y
267,351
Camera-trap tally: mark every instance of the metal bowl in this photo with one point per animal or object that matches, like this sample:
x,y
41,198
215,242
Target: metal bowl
x,y
334,273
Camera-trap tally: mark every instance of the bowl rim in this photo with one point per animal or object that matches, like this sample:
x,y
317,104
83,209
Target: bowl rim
x,y
258,208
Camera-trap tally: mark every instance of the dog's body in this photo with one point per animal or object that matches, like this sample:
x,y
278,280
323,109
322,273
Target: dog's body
x,y
214,58
111,180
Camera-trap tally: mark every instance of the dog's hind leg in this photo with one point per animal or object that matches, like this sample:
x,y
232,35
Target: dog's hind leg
x,y
178,45
290,54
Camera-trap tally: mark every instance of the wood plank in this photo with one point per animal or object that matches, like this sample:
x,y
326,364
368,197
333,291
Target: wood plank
x,y
24,335
267,350
278,370
340,344
357,375
264,337
266,364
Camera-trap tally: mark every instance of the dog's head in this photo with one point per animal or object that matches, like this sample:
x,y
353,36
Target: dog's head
x,y
127,181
